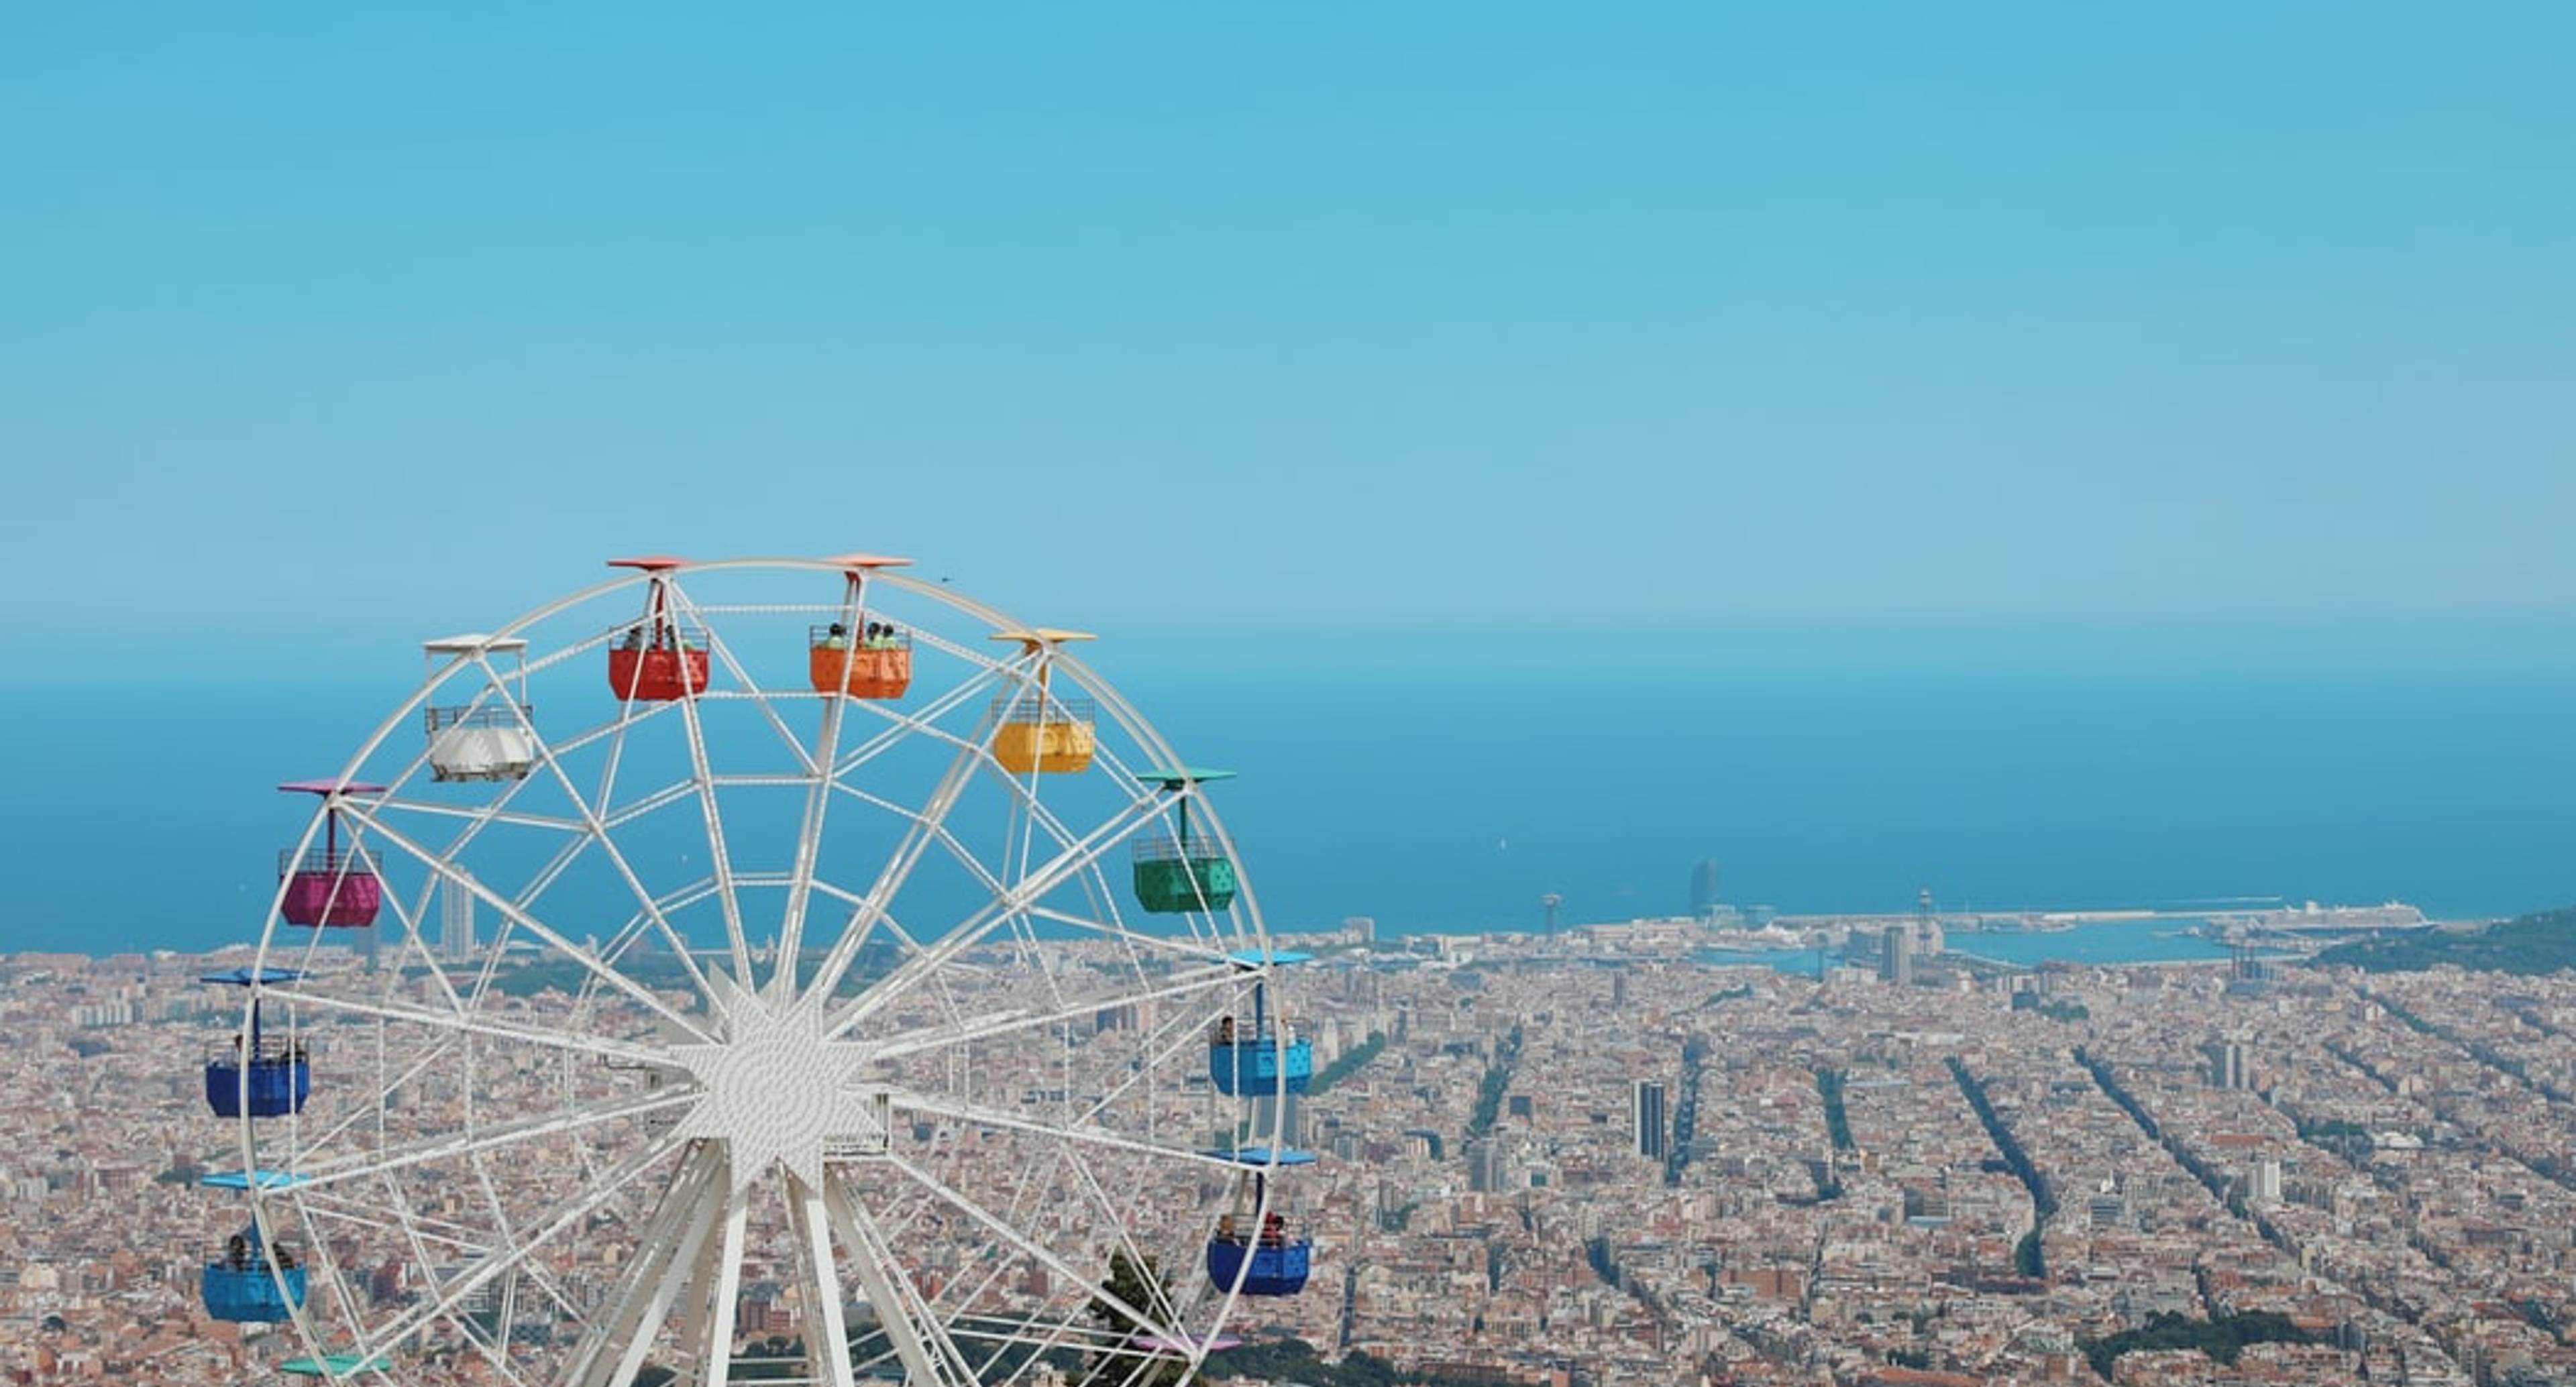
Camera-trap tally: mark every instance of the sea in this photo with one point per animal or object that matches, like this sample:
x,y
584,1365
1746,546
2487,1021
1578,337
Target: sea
x,y
1450,797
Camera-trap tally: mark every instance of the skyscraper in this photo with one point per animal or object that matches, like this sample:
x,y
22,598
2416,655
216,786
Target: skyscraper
x,y
456,919
2227,1066
1646,1117
1704,889
1896,955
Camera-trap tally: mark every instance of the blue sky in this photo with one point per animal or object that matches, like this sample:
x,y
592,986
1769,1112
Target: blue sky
x,y
330,322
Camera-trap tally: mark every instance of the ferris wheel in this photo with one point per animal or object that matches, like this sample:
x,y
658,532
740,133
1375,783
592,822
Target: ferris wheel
x,y
771,969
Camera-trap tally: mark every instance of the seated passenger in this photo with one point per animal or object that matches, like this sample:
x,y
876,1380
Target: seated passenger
x,y
1274,1231
1225,1031
237,1253
1225,1229
838,638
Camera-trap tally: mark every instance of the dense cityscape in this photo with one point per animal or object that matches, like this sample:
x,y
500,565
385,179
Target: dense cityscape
x,y
821,695
1609,1156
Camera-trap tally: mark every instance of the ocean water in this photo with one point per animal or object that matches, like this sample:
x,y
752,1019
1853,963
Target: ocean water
x,y
1447,801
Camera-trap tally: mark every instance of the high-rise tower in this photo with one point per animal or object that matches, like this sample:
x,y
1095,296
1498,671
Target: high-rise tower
x,y
456,919
1646,1118
1703,889
1896,955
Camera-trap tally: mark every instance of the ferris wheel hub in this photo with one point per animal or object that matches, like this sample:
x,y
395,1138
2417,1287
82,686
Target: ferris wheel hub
x,y
776,1090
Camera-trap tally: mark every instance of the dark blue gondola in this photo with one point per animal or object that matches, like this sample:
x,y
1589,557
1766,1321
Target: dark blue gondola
x,y
252,1281
1259,1059
1268,1259
269,1076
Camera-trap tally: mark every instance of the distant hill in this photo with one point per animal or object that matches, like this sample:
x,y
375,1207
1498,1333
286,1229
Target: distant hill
x,y
2542,943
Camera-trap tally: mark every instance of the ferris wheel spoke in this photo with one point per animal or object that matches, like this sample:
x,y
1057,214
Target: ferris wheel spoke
x,y
492,1342
600,834
885,921
751,689
477,814
898,869
386,1160
341,1209
986,1027
334,1289
809,836
616,1050
387,1083
719,857
999,1228
500,1260
521,919
995,915
1187,946
621,815
977,1114
1121,1221
923,721
1172,1038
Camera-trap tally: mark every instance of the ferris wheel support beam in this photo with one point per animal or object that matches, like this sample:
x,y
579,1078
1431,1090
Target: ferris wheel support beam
x,y
613,1350
827,1337
901,1313
713,1334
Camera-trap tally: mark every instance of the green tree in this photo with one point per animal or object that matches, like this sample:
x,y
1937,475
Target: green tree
x,y
1143,1286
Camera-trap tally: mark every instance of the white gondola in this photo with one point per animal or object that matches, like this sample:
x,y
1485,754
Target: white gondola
x,y
487,739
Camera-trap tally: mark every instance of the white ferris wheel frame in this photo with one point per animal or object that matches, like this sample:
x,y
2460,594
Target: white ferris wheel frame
x,y
688,1255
